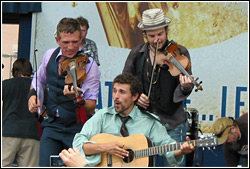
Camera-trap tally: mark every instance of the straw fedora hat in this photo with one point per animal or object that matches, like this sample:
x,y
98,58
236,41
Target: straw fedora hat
x,y
153,19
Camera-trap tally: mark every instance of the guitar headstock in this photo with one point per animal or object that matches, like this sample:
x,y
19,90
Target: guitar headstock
x,y
208,142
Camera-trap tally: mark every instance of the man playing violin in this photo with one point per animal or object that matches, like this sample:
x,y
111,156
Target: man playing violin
x,y
163,93
62,121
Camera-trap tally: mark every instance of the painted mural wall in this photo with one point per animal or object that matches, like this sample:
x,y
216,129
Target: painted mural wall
x,y
215,33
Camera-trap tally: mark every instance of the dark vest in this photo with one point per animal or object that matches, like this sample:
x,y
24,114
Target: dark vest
x,y
56,100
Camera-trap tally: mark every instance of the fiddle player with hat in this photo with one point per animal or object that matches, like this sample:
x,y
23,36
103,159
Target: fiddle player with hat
x,y
63,120
233,134
163,93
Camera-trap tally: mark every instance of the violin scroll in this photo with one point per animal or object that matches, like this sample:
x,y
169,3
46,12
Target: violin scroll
x,y
198,85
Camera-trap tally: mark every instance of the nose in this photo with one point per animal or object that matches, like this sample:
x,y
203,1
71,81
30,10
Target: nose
x,y
115,95
71,46
156,40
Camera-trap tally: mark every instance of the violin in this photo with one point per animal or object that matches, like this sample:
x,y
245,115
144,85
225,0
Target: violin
x,y
177,63
76,72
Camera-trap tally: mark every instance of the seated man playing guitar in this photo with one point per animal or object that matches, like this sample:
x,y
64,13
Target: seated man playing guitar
x,y
100,141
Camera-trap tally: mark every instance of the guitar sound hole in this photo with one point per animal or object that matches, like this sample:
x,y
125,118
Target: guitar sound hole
x,y
130,156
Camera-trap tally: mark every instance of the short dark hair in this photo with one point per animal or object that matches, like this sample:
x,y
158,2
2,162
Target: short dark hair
x,y
133,81
83,21
68,25
23,67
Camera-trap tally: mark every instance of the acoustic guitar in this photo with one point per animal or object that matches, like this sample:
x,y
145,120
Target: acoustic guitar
x,y
141,152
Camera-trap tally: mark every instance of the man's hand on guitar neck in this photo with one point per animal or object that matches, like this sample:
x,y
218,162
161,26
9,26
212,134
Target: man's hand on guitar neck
x,y
112,148
186,148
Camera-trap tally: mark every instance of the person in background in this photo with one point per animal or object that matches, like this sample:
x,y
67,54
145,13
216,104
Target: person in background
x,y
87,44
163,94
125,92
233,134
20,135
63,120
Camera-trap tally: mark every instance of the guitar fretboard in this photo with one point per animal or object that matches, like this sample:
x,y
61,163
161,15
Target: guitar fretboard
x,y
160,149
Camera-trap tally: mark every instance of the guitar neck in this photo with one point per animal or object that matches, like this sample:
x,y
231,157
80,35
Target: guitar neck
x,y
160,149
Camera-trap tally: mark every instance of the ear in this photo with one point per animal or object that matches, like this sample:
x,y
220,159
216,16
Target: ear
x,y
166,28
57,40
145,37
135,97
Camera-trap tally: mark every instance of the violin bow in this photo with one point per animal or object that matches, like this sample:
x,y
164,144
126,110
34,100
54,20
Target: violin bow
x,y
72,66
37,91
152,75
36,74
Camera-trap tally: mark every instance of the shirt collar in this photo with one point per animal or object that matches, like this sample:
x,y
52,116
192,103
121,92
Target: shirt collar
x,y
132,114
86,41
60,54
144,47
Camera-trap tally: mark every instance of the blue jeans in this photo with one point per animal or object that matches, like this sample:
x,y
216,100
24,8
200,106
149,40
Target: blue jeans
x,y
179,135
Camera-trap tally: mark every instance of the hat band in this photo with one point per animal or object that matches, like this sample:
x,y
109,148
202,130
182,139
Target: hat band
x,y
150,26
219,135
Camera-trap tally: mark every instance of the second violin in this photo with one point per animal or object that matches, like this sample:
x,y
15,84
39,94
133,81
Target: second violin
x,y
177,63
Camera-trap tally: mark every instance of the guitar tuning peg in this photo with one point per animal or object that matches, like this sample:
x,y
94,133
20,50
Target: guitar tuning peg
x,y
200,82
197,79
203,148
208,148
214,147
